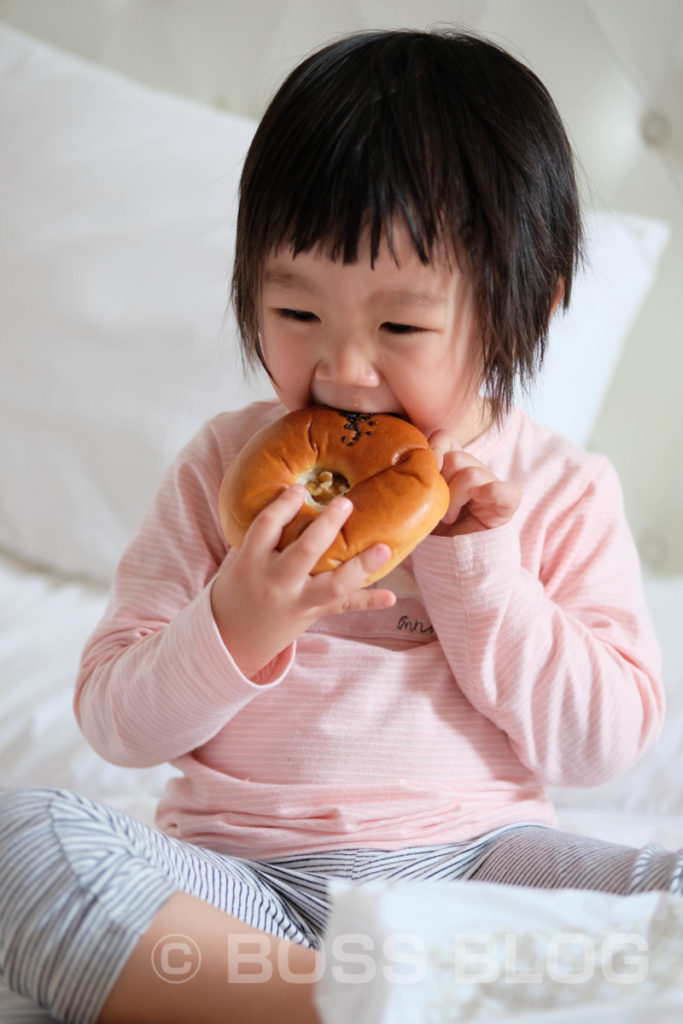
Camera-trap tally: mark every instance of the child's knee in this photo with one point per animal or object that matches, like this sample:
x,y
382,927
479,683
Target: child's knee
x,y
29,832
42,887
21,812
28,852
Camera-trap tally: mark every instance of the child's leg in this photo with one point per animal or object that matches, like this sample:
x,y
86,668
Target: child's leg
x,y
14,1009
84,887
547,858
243,976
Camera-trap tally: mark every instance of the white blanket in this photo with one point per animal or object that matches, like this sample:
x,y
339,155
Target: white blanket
x,y
478,952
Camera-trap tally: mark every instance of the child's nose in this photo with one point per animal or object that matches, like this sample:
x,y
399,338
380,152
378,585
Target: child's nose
x,y
349,364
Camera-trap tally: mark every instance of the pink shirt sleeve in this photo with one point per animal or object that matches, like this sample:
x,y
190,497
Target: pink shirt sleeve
x,y
544,625
157,656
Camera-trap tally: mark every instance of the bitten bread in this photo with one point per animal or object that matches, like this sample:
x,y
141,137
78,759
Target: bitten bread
x,y
383,464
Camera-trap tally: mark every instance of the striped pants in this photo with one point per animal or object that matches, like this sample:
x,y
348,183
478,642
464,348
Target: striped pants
x,y
80,883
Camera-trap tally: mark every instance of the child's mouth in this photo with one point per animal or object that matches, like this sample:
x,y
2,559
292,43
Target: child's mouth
x,y
362,414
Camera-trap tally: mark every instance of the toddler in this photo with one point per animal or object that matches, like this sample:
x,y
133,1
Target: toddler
x,y
408,223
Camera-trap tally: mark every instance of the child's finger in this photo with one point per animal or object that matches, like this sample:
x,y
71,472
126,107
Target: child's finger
x,y
442,444
369,599
355,572
302,554
495,503
462,486
343,589
266,529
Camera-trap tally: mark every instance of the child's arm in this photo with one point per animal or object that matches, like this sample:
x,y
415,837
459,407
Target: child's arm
x,y
156,678
544,624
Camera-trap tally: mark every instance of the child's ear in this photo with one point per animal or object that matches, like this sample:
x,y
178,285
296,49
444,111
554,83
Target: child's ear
x,y
559,294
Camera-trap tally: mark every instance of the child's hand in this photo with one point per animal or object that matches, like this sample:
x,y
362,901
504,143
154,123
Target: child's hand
x,y
479,500
262,599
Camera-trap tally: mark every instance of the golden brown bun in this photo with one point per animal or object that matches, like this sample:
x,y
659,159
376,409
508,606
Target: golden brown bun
x,y
393,480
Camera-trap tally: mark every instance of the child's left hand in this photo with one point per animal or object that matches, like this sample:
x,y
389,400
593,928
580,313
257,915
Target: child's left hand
x,y
479,500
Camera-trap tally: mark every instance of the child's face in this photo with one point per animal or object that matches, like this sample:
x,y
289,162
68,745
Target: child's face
x,y
395,338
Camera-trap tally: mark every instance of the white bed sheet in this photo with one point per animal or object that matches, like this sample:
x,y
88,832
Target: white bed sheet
x,y
45,622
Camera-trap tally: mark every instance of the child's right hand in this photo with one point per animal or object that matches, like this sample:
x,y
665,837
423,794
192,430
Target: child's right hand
x,y
262,598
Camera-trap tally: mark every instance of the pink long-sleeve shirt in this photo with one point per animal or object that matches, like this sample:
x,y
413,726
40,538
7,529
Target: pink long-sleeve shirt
x,y
514,658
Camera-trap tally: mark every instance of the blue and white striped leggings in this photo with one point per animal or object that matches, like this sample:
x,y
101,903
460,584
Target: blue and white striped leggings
x,y
80,883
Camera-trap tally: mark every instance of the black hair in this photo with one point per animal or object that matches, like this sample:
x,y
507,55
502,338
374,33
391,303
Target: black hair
x,y
445,130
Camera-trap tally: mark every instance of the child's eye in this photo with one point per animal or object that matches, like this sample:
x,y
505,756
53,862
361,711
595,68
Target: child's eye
x,y
300,315
394,328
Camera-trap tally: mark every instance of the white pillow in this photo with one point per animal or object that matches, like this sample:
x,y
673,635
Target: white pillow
x,y
116,235
585,343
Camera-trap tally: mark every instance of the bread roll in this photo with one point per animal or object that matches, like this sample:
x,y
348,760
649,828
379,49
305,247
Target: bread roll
x,y
381,462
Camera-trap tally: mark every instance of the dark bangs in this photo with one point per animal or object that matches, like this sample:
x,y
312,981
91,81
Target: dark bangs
x,y
443,130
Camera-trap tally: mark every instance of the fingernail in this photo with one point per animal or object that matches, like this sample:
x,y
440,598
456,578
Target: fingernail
x,y
380,554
